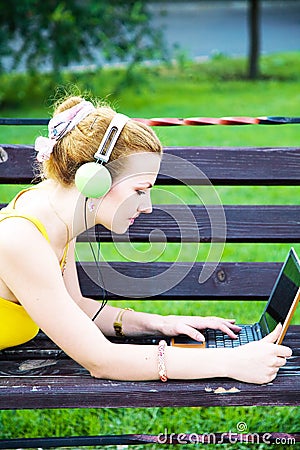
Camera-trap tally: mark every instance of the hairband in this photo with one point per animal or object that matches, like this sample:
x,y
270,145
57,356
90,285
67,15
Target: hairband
x,y
59,126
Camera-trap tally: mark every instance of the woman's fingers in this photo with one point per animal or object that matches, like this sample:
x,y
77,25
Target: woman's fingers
x,y
227,326
259,361
281,350
230,330
193,333
280,362
274,335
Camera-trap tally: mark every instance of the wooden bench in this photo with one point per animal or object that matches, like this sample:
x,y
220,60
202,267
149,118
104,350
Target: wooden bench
x,y
32,376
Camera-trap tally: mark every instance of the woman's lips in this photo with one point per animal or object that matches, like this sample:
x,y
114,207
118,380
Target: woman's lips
x,y
132,219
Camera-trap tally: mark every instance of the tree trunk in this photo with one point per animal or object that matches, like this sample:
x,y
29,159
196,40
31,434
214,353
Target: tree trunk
x,y
254,47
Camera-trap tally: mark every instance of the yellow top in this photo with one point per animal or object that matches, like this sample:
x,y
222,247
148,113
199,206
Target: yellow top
x,y
16,326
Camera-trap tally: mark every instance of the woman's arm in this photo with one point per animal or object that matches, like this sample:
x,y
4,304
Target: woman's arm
x,y
257,362
30,269
136,323
89,306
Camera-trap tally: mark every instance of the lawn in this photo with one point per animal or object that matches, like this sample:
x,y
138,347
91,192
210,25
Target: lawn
x,y
212,89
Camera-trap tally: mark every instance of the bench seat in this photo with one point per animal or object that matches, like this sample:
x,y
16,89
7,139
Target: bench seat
x,y
36,375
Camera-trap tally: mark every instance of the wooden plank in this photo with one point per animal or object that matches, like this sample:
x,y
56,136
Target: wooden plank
x,y
63,383
191,165
197,223
65,367
40,355
178,281
86,392
231,165
18,168
41,347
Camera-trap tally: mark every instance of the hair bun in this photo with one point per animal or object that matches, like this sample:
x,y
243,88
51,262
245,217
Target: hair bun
x,y
68,103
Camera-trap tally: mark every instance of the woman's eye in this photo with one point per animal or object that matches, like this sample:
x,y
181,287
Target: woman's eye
x,y
141,192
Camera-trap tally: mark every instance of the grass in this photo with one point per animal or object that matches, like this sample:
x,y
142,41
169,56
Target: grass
x,y
216,88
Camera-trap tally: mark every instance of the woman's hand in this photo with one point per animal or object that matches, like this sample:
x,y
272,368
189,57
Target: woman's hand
x,y
190,325
259,361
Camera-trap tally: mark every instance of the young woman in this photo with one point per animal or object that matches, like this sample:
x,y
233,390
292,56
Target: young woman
x,y
39,287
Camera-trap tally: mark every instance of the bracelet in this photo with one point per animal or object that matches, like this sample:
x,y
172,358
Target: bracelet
x,y
118,322
162,371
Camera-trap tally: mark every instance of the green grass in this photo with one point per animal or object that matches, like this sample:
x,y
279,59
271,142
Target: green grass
x,y
208,89
215,89
153,421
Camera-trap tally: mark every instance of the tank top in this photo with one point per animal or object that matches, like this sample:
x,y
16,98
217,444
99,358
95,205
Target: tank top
x,y
16,326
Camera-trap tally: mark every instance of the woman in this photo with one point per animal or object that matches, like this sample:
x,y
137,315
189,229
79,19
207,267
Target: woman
x,y
38,281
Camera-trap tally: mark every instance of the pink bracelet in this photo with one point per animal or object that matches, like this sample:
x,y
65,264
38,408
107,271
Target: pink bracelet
x,y
162,372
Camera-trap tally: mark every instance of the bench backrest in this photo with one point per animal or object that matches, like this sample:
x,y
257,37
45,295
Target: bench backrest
x,y
179,223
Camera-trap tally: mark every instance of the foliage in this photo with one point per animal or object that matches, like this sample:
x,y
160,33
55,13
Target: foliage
x,y
38,33
191,81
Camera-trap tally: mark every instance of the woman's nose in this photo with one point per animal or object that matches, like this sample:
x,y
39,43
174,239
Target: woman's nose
x,y
146,206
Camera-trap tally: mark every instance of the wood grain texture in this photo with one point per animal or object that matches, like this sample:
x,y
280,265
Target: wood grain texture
x,y
195,223
61,383
221,165
180,280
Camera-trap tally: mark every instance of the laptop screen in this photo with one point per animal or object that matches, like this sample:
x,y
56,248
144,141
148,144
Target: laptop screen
x,y
283,293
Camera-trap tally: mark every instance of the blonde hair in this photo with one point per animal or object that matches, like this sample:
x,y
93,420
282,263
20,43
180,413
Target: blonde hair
x,y
81,143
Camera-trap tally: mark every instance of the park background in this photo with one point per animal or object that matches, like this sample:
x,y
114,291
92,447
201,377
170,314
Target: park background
x,y
165,76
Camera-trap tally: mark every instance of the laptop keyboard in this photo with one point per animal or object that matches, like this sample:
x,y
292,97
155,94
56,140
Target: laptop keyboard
x,y
217,339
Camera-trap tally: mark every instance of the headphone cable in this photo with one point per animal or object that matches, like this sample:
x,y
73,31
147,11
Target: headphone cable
x,y
96,259
99,276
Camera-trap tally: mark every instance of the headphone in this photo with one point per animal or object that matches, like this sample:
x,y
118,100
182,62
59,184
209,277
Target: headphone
x,y
93,179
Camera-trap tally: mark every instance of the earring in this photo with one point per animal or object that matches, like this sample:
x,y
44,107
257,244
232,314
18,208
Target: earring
x,y
91,205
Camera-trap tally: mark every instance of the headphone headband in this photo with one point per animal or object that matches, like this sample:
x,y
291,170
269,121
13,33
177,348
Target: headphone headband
x,y
110,137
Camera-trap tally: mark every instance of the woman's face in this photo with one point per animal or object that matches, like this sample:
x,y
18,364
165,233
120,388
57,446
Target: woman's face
x,y
129,195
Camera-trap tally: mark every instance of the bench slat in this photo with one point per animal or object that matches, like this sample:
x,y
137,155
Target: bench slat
x,y
234,165
83,392
222,165
41,347
224,284
242,223
18,168
192,223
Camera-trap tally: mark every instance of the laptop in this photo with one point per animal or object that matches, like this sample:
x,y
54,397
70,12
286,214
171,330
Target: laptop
x,y
280,308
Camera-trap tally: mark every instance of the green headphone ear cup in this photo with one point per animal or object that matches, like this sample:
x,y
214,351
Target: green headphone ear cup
x,y
93,180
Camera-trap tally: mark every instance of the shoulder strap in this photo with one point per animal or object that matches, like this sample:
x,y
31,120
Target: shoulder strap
x,y
11,213
14,200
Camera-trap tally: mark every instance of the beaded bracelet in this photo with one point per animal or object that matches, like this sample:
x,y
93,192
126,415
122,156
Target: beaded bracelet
x,y
162,371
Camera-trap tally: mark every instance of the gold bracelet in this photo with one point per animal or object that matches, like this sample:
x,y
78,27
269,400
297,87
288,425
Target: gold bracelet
x,y
118,322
